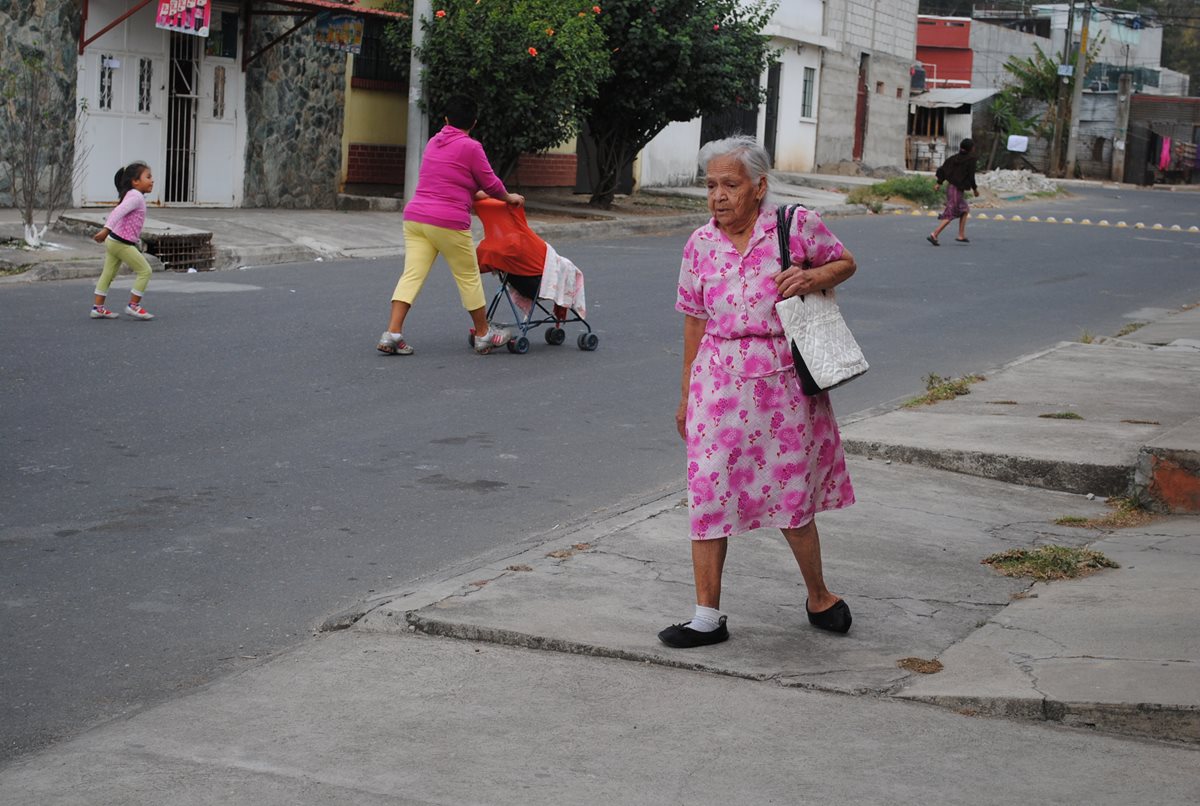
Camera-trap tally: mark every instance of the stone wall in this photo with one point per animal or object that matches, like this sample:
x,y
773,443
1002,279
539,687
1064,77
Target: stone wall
x,y
49,30
295,94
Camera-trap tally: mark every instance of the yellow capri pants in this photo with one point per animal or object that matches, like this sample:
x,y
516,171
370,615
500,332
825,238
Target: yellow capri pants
x,y
422,244
116,253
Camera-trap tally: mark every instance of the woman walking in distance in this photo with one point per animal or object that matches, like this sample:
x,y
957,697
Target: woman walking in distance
x,y
958,172
437,220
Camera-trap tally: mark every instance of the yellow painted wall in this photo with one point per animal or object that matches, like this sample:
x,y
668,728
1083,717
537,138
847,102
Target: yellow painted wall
x,y
372,116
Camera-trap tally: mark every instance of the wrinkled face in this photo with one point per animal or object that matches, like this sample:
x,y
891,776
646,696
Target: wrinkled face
x,y
145,182
733,198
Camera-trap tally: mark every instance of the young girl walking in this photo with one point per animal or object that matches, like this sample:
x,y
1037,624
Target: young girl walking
x,y
120,236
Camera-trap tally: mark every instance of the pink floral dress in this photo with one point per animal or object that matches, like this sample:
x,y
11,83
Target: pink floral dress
x,y
759,452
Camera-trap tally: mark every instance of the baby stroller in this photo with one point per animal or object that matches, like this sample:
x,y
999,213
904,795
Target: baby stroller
x,y
532,275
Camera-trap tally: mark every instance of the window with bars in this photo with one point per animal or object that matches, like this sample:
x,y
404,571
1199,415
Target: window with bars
x,y
145,84
806,102
218,93
106,81
374,63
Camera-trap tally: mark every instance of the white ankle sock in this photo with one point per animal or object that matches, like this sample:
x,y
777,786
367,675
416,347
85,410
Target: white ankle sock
x,y
706,619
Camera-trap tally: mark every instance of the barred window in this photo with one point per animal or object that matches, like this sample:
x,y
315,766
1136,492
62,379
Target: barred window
x,y
806,103
145,84
374,62
218,93
106,81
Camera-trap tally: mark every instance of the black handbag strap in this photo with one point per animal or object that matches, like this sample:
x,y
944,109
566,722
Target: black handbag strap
x,y
785,214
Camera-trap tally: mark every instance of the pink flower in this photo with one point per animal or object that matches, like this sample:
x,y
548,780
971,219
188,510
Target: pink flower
x,y
595,9
533,51
716,27
439,13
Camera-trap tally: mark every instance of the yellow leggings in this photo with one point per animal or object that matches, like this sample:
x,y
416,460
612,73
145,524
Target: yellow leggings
x,y
422,244
116,253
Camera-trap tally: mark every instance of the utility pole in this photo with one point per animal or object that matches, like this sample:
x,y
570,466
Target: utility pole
x,y
418,121
1077,94
1060,102
1124,91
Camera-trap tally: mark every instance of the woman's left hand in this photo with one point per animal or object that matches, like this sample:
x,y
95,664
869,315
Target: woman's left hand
x,y
794,281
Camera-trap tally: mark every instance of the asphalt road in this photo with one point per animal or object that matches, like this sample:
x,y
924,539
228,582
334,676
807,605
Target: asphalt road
x,y
182,497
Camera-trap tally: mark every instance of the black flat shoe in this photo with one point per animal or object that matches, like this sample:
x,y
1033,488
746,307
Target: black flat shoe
x,y
681,636
835,619
932,240
963,240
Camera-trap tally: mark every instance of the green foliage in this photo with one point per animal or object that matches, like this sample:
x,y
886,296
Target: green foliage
x,y
528,63
920,189
672,60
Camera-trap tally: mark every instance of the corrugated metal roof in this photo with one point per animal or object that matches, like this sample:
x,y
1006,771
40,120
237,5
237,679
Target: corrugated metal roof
x,y
948,98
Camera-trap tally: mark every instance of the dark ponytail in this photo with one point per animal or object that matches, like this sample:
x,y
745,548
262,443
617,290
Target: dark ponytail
x,y
125,176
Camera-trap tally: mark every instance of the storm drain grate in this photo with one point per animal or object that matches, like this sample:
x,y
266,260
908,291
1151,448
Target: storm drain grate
x,y
182,252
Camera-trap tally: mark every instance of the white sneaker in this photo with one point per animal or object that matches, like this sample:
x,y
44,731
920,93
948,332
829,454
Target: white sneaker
x,y
138,312
100,312
390,344
495,337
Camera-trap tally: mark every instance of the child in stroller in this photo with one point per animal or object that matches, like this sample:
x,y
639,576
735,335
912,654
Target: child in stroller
x,y
531,274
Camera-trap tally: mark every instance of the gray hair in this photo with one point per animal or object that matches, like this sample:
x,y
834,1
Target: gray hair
x,y
746,150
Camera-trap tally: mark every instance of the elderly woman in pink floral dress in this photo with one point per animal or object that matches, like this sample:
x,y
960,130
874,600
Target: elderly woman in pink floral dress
x,y
759,452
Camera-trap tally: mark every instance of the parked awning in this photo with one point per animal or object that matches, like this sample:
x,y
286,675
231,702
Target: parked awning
x,y
950,98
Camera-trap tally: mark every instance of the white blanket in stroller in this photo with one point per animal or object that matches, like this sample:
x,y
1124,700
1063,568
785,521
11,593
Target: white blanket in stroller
x,y
562,283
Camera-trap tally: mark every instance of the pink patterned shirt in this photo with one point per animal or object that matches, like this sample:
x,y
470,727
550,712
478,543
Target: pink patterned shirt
x,y
736,293
127,218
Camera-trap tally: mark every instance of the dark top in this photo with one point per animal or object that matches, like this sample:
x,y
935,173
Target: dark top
x,y
959,171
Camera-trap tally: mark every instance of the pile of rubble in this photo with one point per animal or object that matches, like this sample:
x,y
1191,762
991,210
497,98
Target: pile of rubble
x,y
1014,183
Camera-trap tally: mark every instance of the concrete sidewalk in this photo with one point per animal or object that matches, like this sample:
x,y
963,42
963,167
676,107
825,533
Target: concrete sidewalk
x,y
538,679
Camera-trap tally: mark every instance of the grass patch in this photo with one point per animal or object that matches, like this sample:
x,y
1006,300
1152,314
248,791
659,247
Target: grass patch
x,y
1130,328
1044,194
919,189
939,388
1003,403
1142,422
1126,511
1060,415
1087,337
1047,563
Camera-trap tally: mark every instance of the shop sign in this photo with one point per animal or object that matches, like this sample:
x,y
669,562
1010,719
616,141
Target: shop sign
x,y
184,16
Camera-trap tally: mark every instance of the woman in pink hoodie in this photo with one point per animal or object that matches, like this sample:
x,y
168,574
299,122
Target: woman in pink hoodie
x,y
437,220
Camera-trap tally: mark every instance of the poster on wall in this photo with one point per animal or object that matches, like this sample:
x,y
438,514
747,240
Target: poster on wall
x,y
185,16
337,31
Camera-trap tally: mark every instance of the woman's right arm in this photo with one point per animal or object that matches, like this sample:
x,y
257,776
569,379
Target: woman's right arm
x,y
127,206
693,331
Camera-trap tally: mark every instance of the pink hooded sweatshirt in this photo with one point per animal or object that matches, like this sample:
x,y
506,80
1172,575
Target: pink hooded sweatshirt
x,y
453,168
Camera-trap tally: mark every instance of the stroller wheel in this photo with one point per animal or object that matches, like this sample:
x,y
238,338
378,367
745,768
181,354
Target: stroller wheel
x,y
519,345
588,341
556,336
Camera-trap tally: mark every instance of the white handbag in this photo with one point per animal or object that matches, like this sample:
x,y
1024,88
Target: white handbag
x,y
823,348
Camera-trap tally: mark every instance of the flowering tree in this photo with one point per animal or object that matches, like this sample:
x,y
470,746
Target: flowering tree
x,y
671,60
528,63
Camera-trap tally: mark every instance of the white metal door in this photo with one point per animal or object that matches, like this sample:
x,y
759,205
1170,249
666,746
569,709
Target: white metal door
x,y
219,154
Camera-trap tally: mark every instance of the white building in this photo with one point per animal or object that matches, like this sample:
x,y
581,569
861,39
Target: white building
x,y
786,124
174,100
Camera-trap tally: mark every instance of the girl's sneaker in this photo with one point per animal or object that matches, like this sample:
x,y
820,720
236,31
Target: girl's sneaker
x,y
100,312
495,337
393,344
138,312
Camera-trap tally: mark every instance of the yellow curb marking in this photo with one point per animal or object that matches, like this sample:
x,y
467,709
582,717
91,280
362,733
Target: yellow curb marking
x,y
1176,228
1193,229
1122,224
982,216
1034,219
1103,222
1068,221
931,214
1087,222
1016,218
1157,226
1051,220
999,218
916,212
1139,225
